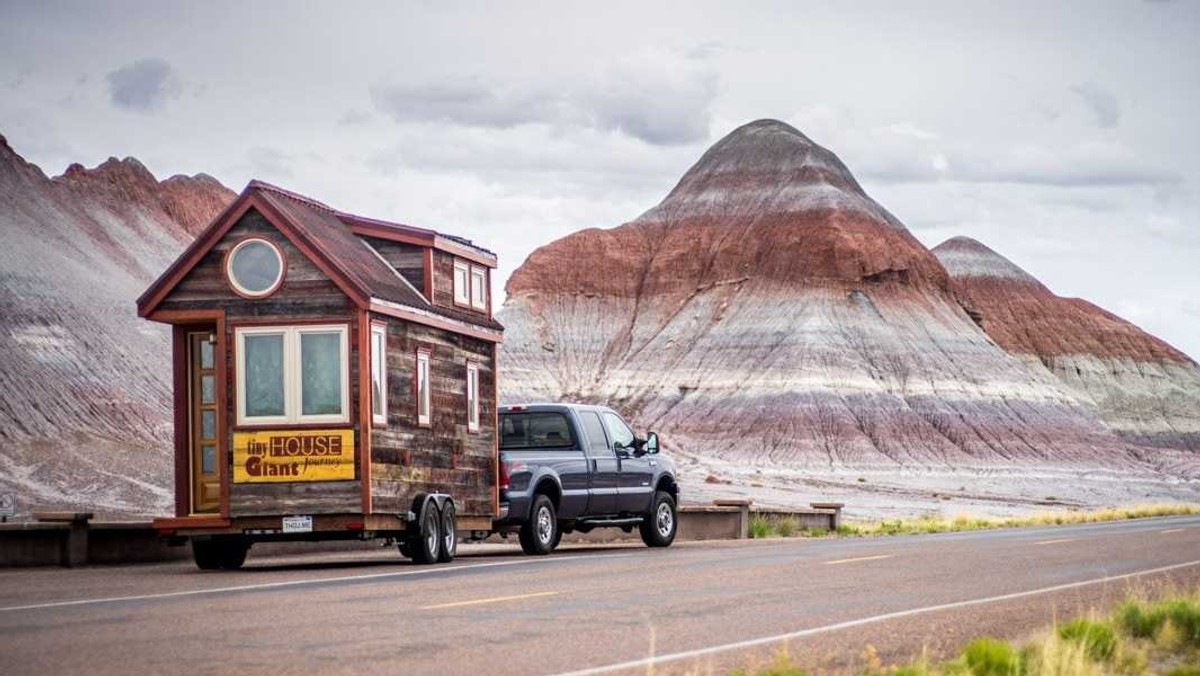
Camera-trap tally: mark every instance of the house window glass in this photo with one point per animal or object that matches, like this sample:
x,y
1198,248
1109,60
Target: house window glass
x,y
255,267
424,395
263,375
472,397
478,288
320,374
462,292
379,374
294,374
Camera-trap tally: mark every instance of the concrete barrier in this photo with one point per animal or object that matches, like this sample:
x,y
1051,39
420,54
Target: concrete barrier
x,y
73,539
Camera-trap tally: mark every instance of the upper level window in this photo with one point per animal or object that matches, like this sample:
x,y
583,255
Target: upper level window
x,y
470,285
478,288
472,397
462,291
379,373
292,374
254,268
424,390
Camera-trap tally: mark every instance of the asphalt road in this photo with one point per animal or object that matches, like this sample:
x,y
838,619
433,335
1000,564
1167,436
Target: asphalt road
x,y
696,607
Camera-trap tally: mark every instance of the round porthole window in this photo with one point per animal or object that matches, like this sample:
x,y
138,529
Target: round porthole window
x,y
255,268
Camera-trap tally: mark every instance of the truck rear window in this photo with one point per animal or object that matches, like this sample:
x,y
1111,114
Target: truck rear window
x,y
542,429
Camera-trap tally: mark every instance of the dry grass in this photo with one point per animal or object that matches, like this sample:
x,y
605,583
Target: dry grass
x,y
1140,638
965,522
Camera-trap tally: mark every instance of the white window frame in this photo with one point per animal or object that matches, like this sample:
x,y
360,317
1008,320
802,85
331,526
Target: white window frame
x,y
472,397
241,290
462,289
293,383
423,373
479,302
379,372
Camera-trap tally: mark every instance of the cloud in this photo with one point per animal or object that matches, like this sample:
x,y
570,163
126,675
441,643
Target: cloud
x,y
658,96
144,85
1103,103
269,163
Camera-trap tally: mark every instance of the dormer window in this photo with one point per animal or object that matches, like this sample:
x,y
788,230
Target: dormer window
x,y
470,286
462,291
478,288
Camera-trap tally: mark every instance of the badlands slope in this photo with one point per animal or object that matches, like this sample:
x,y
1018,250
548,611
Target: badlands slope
x,y
791,340
84,416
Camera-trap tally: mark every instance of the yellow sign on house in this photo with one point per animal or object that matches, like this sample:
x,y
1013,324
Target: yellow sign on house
x,y
278,456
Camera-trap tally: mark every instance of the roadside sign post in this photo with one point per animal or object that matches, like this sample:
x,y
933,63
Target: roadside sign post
x,y
8,506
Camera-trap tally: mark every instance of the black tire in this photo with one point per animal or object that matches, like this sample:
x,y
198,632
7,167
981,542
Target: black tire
x,y
219,554
403,546
557,539
426,545
661,523
449,534
539,533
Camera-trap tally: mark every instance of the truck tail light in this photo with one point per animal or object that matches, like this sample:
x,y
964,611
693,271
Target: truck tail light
x,y
354,525
503,478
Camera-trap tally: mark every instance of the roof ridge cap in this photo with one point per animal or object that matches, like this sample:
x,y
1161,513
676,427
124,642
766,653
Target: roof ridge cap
x,y
283,192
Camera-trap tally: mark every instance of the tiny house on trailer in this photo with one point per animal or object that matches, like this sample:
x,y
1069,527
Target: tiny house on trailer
x,y
334,378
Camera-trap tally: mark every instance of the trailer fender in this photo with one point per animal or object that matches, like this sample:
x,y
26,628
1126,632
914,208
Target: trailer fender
x,y
422,502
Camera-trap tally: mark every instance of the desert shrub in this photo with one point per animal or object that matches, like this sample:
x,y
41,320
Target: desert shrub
x,y
989,657
1098,639
760,526
786,526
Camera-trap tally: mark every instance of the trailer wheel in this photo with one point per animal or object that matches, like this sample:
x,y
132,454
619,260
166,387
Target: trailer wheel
x,y
539,533
219,554
426,545
449,528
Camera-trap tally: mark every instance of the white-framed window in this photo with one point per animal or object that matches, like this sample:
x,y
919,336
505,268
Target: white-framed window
x,y
424,390
292,374
379,374
462,283
472,397
478,288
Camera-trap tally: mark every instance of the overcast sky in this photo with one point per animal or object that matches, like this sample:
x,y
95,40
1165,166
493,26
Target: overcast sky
x,y
1065,135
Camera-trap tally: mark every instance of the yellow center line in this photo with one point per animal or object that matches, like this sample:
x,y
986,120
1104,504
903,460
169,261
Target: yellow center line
x,y
1172,530
1054,542
496,599
861,558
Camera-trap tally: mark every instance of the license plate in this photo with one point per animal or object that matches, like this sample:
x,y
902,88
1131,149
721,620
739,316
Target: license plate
x,y
297,524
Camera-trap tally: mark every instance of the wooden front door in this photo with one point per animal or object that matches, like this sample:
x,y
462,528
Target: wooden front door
x,y
204,425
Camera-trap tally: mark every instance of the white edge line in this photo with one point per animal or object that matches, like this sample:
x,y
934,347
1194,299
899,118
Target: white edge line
x,y
301,583
754,642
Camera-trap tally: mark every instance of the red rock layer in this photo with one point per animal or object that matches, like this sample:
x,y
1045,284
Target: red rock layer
x,y
1025,317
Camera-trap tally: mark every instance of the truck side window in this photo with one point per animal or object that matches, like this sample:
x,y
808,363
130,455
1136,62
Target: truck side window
x,y
595,433
618,430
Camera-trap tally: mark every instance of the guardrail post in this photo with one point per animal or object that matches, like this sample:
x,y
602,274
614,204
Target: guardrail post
x,y
743,506
74,548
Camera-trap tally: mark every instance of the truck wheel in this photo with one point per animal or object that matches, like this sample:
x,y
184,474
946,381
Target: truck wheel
x,y
206,554
426,544
539,534
658,528
449,534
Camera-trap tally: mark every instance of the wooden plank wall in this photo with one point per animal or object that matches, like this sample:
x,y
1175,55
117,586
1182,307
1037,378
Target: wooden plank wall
x,y
408,259
306,293
407,459
443,279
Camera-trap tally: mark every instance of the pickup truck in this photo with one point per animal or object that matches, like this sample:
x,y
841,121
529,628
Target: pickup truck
x,y
570,467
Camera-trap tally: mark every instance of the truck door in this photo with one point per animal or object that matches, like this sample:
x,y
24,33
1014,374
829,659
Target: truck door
x,y
635,474
602,465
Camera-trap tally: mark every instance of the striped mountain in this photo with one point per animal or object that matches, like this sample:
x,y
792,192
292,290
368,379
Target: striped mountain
x,y
773,321
85,410
1144,390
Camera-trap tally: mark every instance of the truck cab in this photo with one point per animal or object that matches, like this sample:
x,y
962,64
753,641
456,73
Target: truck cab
x,y
573,467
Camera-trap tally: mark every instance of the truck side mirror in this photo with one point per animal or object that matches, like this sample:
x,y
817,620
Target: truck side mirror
x,y
652,443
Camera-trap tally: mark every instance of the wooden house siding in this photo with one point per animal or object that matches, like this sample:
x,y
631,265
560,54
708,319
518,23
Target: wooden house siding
x,y
443,279
407,459
407,259
305,295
